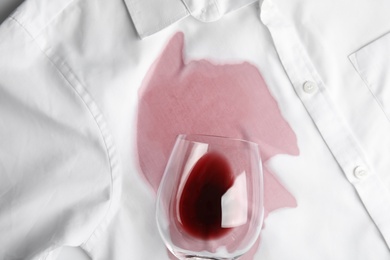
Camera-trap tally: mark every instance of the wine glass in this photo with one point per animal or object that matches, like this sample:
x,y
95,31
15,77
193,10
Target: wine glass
x,y
210,200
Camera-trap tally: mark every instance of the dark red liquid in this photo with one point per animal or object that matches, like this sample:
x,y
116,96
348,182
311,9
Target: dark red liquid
x,y
200,203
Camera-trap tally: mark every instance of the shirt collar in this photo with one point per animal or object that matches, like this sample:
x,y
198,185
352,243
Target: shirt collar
x,y
151,16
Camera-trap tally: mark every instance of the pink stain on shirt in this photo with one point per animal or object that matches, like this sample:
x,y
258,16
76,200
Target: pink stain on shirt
x,y
202,97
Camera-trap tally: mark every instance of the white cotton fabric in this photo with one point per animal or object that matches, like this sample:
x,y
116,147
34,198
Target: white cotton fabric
x,y
70,71
59,172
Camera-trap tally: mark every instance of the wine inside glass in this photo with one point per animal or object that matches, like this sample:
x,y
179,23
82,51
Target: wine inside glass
x,y
210,200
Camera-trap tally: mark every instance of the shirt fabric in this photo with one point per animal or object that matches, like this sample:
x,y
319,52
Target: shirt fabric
x,y
71,76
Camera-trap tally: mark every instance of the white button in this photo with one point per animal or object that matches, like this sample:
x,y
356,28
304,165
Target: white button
x,y
309,87
360,172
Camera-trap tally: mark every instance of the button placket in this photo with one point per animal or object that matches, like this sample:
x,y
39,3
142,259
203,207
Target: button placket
x,y
325,115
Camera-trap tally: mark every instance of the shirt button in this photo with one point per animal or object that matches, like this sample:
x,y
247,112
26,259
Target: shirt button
x,y
360,172
309,87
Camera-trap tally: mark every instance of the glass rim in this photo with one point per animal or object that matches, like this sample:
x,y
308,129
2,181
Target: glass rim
x,y
191,138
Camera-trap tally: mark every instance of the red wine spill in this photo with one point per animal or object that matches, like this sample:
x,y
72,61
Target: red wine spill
x,y
200,203
173,100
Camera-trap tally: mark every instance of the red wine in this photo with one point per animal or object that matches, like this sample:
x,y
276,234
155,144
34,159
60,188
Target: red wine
x,y
200,202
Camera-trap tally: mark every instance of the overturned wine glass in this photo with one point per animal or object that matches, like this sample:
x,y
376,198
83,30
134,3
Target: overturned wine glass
x,y
210,200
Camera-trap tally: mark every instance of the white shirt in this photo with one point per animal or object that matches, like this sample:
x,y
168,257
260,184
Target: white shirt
x,y
92,94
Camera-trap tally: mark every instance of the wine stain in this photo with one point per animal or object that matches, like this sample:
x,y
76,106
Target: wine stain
x,y
201,97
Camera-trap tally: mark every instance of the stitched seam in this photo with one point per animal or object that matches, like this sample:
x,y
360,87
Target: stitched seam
x,y
108,154
22,26
367,84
